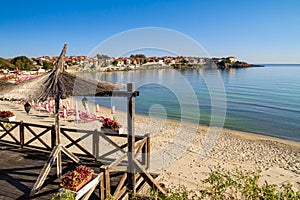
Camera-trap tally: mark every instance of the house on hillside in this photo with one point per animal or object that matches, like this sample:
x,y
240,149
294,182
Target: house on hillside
x,y
232,59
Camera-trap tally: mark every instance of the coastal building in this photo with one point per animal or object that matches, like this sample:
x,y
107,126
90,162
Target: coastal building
x,y
232,59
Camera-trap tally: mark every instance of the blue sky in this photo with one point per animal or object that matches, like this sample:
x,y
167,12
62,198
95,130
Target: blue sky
x,y
256,31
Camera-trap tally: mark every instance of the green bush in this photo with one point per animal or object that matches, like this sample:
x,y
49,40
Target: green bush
x,y
235,184
64,194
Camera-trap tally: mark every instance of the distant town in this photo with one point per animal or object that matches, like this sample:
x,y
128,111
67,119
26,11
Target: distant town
x,y
22,65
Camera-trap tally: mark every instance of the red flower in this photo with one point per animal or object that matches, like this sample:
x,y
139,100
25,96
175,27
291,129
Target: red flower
x,y
110,123
76,177
6,114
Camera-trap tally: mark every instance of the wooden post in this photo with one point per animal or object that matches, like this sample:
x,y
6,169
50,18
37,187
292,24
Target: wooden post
x,y
148,152
53,136
57,134
96,141
101,186
130,141
22,136
106,182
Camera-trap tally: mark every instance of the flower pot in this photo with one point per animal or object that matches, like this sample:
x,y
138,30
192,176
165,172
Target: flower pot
x,y
77,178
13,118
9,119
83,183
109,130
95,180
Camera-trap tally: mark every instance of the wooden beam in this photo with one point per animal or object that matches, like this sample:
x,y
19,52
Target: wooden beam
x,y
130,141
90,192
70,154
37,136
148,153
77,145
22,136
150,180
107,181
45,171
120,185
127,93
102,187
8,132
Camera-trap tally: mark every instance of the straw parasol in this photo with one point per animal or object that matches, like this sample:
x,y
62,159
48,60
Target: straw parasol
x,y
4,85
57,83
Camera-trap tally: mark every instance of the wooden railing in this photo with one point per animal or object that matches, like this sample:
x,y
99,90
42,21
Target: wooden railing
x,y
19,133
141,163
27,135
31,135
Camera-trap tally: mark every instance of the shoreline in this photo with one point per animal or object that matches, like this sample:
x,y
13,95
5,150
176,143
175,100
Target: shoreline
x,y
277,159
225,128
233,129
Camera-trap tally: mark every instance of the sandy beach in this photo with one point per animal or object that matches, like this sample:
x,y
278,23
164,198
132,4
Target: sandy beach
x,y
184,153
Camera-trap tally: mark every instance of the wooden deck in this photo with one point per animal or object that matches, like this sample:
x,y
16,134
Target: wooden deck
x,y
25,149
20,168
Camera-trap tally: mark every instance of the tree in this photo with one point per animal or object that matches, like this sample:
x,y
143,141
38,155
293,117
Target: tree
x,y
47,65
6,64
137,56
102,56
22,62
115,62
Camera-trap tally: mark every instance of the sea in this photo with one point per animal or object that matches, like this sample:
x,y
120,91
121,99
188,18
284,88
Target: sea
x,y
263,100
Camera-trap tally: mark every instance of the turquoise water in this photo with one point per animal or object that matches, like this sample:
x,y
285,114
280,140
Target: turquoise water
x,y
263,100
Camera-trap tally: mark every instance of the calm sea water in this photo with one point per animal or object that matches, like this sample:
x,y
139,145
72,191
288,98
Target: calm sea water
x,y
264,100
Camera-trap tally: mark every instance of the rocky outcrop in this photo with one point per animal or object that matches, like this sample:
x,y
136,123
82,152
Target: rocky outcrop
x,y
226,65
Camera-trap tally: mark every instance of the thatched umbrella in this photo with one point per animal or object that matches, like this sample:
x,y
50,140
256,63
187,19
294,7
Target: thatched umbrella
x,y
4,85
58,84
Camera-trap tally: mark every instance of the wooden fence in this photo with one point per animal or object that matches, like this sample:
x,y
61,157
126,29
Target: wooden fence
x,y
31,135
43,137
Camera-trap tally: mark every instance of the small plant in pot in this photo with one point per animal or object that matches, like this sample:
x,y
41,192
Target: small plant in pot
x,y
111,124
6,114
77,178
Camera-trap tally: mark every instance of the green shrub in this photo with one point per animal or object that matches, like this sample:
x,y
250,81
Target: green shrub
x,y
64,194
235,184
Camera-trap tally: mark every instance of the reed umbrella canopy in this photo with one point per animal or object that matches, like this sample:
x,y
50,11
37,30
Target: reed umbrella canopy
x,y
57,84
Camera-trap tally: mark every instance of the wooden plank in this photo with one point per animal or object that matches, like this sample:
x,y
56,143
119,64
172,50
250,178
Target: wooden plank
x,y
58,164
53,137
22,136
8,132
137,137
120,185
37,137
56,124
89,193
116,162
121,193
70,154
148,153
45,171
107,182
102,187
140,146
127,93
77,145
18,173
130,140
149,179
36,125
